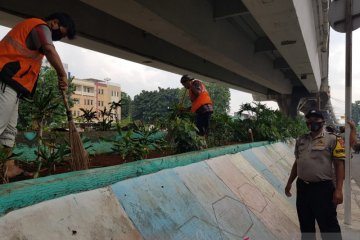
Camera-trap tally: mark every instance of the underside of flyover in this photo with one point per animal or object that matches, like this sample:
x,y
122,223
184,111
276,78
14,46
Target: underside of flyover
x,y
275,50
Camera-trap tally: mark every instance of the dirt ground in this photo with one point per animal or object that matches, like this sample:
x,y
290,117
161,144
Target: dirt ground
x,y
96,161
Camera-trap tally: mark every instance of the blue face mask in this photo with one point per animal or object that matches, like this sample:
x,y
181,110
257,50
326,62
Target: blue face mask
x,y
315,126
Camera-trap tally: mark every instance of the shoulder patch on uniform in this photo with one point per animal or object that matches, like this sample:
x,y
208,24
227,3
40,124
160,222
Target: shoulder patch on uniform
x,y
339,150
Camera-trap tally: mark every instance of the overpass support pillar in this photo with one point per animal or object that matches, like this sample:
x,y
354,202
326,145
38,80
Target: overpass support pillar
x,y
289,103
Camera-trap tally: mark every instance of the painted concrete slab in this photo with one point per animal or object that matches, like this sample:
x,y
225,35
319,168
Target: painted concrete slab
x,y
273,164
273,218
160,205
91,215
206,186
261,167
286,205
234,219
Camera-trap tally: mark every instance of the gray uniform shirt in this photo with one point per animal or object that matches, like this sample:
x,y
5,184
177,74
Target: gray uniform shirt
x,y
315,156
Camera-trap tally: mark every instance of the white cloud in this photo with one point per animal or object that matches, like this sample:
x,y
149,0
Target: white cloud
x,y
337,70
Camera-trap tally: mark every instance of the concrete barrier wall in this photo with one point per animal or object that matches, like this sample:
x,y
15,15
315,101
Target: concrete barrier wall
x,y
232,196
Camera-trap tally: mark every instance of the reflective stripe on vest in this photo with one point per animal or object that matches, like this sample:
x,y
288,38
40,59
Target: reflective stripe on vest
x,y
22,50
20,66
202,99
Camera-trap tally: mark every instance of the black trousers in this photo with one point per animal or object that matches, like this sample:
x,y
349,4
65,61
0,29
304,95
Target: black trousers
x,y
203,122
314,202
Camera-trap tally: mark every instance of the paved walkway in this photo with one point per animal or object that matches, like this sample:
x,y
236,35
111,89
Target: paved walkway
x,y
353,231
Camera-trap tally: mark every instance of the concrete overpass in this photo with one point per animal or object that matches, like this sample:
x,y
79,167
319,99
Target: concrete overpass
x,y
274,49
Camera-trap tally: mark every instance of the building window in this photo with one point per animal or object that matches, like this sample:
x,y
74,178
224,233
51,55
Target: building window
x,y
76,101
84,101
91,102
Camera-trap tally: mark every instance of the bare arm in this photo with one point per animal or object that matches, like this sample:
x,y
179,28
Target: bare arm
x,y
353,138
54,59
292,177
339,165
196,88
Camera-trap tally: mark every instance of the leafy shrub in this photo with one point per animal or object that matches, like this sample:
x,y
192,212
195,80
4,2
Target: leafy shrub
x,y
183,137
267,124
221,130
136,143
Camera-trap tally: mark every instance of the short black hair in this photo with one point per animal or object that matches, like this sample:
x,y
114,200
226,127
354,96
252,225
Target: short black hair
x,y
314,113
66,21
186,78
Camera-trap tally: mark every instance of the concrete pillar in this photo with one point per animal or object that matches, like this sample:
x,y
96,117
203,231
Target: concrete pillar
x,y
289,104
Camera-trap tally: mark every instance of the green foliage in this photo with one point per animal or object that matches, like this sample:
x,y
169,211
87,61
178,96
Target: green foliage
x,y
116,106
126,105
183,137
220,97
106,119
89,115
5,155
221,130
47,102
51,154
136,143
149,106
355,112
267,124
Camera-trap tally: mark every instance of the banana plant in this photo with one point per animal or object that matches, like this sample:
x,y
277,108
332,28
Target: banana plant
x,y
5,155
115,106
88,114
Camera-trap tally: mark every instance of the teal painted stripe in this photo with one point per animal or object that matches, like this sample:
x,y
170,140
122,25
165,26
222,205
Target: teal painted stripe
x,y
26,193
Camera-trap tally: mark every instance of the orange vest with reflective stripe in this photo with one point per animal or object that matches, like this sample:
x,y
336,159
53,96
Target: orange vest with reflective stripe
x,y
202,99
20,66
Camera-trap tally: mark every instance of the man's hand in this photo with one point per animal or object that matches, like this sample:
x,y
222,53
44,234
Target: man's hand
x,y
63,83
287,190
337,197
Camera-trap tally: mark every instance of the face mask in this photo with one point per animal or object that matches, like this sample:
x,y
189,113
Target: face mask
x,y
315,126
56,34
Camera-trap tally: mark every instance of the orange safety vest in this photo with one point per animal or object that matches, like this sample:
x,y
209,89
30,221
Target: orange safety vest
x,y
202,99
20,66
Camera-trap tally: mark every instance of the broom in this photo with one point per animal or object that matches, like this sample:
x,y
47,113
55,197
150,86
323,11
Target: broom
x,y
79,156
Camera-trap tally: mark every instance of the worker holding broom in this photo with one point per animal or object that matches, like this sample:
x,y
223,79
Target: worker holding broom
x,y
201,103
21,54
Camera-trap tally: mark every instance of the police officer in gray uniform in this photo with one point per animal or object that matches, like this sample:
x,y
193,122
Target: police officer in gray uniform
x,y
317,154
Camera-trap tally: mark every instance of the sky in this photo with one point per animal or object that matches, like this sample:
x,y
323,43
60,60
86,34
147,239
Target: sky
x,y
134,77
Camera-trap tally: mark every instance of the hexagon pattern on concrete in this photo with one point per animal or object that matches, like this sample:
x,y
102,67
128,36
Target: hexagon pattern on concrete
x,y
252,197
197,229
227,210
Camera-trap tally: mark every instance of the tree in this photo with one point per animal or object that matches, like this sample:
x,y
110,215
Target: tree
x,y
47,88
220,96
126,105
355,112
149,106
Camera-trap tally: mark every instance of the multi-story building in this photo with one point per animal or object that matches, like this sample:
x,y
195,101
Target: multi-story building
x,y
95,94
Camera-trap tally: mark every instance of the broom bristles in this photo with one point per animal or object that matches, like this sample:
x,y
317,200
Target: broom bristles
x,y
79,156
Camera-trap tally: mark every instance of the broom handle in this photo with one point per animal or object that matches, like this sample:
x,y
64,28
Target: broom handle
x,y
183,98
66,104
